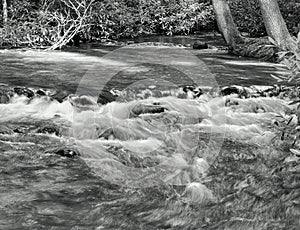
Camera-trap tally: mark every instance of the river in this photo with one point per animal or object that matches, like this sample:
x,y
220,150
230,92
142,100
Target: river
x,y
159,157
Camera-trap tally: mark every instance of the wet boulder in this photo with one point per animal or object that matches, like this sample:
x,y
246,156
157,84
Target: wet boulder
x,y
60,96
192,91
198,45
40,92
49,130
230,90
66,151
106,97
242,92
143,108
24,92
71,153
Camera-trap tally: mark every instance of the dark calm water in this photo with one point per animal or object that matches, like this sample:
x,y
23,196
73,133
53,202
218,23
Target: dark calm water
x,y
204,163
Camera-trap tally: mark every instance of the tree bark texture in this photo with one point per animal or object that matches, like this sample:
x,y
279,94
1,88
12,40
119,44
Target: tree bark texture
x,y
226,24
275,25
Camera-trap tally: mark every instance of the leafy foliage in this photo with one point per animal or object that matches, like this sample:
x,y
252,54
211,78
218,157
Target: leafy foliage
x,y
116,19
260,48
45,22
23,18
248,17
291,60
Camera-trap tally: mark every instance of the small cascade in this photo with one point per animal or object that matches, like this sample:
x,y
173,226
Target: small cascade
x,y
147,138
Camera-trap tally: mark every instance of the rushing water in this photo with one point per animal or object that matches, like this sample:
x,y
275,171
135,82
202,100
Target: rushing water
x,y
127,163
157,158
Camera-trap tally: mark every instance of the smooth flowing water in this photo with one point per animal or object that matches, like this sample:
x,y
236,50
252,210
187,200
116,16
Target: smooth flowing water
x,y
157,158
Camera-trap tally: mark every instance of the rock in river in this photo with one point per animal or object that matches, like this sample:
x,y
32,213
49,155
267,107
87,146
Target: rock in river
x,y
24,92
60,96
198,45
64,152
105,97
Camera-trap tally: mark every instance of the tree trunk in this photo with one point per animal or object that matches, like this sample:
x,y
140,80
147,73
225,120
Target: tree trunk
x,y
226,24
5,15
275,24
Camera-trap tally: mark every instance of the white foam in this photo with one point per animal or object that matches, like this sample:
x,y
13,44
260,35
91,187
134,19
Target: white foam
x,y
168,142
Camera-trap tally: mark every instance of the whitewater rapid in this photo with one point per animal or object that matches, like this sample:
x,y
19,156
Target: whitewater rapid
x,y
173,144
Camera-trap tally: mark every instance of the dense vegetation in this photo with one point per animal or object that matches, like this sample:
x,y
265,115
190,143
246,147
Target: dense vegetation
x,y
248,17
44,22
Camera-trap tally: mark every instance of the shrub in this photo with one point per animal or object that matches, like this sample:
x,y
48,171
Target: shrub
x,y
24,26
45,22
248,18
291,60
117,19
